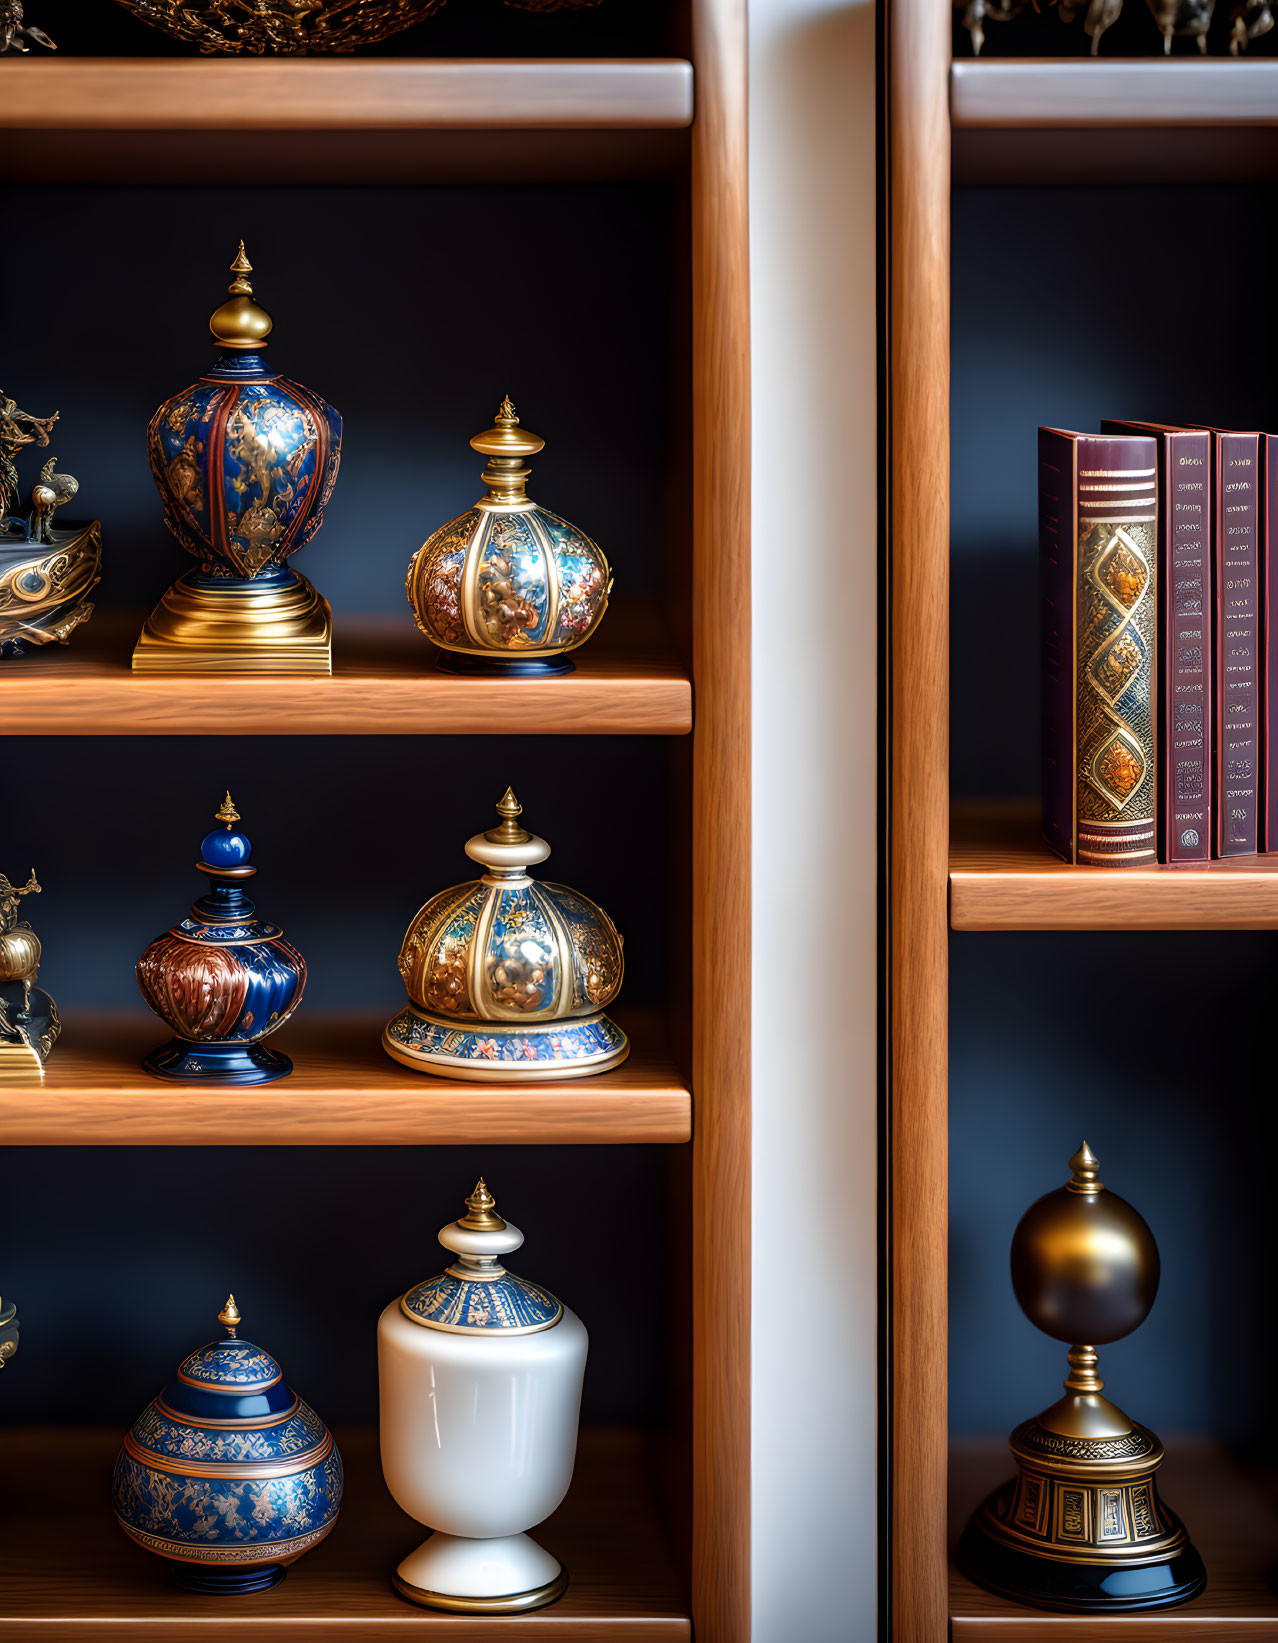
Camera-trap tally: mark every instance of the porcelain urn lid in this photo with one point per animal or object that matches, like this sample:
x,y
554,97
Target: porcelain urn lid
x,y
508,580
506,947
475,1294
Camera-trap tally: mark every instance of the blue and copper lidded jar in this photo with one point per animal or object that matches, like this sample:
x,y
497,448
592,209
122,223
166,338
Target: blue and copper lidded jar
x,y
245,461
508,977
221,978
508,587
227,1474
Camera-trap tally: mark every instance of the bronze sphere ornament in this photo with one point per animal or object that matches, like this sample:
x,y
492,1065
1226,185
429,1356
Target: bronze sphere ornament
x,y
1081,1527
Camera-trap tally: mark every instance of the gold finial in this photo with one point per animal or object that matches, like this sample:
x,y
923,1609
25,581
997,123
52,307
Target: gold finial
x,y
241,322
507,446
506,411
481,1211
228,813
510,832
229,1316
239,286
1086,1167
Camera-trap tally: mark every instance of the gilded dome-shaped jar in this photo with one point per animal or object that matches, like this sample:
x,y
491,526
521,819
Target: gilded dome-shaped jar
x,y
222,978
508,587
245,461
508,977
227,1474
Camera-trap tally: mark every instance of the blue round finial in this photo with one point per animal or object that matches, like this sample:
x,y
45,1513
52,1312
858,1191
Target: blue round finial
x,y
223,847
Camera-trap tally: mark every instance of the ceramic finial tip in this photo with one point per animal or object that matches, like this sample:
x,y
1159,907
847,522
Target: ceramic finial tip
x,y
241,268
506,410
1086,1171
229,1316
227,812
481,1211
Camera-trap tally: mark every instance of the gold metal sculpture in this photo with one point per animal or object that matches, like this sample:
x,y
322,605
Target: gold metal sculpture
x,y
1081,1527
15,33
29,1024
298,26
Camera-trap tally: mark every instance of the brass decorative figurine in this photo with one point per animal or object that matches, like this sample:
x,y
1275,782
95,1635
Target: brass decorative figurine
x,y
297,27
15,32
245,461
508,587
1081,1527
29,1024
508,978
46,575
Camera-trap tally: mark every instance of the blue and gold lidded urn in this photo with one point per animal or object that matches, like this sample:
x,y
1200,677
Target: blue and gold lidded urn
x,y
222,979
245,461
508,587
227,1474
508,978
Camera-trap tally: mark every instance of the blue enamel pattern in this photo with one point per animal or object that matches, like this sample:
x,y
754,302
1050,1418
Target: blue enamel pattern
x,y
245,462
559,1042
512,576
520,969
583,579
486,1306
176,1488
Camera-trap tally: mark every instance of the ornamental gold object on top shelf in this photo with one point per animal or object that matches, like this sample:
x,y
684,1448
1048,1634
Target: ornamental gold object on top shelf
x,y
298,26
46,571
16,34
245,461
226,1474
29,1024
1082,1528
508,587
508,977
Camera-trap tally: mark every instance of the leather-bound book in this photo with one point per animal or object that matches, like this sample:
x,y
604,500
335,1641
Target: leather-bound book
x,y
1183,708
1269,639
1098,518
1236,575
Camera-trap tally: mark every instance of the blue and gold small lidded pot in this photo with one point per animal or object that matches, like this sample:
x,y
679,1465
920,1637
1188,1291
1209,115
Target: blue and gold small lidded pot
x,y
221,978
227,1474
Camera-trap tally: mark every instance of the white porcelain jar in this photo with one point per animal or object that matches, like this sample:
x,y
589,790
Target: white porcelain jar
x,y
481,1377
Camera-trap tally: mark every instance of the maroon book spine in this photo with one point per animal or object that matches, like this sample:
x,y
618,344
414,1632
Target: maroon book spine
x,y
1236,470
1269,637
1098,514
1184,639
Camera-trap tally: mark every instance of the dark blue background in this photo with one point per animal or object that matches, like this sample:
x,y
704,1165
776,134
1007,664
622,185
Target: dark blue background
x,y
1070,305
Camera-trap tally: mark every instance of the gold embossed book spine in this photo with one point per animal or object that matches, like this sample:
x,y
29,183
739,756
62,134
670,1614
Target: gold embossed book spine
x,y
1098,522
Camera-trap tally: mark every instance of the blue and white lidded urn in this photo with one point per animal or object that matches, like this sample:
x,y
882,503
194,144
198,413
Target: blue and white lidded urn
x,y
227,1474
245,461
508,587
480,1375
508,977
221,978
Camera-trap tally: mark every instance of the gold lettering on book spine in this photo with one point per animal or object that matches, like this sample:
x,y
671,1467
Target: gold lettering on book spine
x,y
1117,614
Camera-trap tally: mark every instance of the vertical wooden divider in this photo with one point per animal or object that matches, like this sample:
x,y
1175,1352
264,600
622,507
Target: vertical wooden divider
x,y
918,276
721,949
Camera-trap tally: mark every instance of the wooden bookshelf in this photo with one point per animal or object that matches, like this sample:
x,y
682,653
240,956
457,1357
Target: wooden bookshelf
x,y
1150,119
1003,877
627,682
67,1571
344,1091
1231,1519
344,120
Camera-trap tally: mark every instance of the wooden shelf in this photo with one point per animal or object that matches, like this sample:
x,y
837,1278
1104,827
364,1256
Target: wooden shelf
x,y
1003,877
1056,120
344,1090
395,120
67,1570
1233,1524
627,682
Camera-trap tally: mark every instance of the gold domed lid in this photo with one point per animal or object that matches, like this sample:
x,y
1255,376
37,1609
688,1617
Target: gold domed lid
x,y
241,322
506,445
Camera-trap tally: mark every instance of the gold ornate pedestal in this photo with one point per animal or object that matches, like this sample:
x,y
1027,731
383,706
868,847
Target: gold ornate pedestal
x,y
19,1063
255,628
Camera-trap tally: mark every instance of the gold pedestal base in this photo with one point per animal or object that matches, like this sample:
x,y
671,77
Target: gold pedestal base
x,y
19,1063
516,1603
240,628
